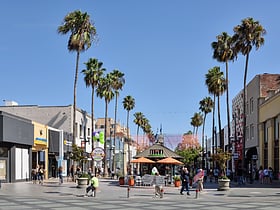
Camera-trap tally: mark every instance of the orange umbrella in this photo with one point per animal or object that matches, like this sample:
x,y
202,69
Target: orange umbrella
x,y
142,160
170,160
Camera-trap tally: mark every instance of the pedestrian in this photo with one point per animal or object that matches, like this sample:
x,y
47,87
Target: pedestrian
x,y
261,176
60,170
158,186
185,178
198,178
216,174
41,174
72,172
270,174
154,170
94,184
266,176
34,176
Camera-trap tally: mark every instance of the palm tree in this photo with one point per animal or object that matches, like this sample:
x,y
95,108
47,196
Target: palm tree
x,y
82,35
147,129
224,52
117,84
247,35
206,106
138,120
92,74
105,90
216,84
144,126
128,105
196,121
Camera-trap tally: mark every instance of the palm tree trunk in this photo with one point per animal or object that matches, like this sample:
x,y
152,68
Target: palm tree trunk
x,y
75,92
202,139
74,102
105,141
219,120
213,126
244,117
137,146
128,141
228,115
114,143
92,127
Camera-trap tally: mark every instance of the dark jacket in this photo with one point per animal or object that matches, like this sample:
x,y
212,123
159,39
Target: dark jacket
x,y
185,176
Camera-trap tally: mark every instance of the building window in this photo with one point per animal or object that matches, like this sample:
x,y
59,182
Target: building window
x,y
156,152
81,130
88,131
265,132
76,128
276,128
247,133
252,130
251,105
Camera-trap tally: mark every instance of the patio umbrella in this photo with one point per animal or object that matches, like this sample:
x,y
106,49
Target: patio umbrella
x,y
170,160
142,160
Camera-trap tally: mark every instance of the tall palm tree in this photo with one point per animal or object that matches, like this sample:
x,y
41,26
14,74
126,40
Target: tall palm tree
x,y
118,82
138,120
92,74
246,36
216,84
147,129
82,34
144,126
105,90
206,106
196,121
128,105
224,52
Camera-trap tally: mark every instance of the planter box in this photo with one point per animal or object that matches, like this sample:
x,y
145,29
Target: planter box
x,y
82,182
131,182
177,183
223,184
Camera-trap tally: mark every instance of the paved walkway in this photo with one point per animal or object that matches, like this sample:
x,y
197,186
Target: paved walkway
x,y
51,195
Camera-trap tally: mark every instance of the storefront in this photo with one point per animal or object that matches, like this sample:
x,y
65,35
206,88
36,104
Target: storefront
x,y
16,141
40,147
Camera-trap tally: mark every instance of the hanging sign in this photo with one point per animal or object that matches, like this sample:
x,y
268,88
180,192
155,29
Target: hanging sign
x,y
98,154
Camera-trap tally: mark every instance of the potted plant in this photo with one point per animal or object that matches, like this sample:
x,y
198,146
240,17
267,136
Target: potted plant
x,y
221,158
83,180
177,181
131,181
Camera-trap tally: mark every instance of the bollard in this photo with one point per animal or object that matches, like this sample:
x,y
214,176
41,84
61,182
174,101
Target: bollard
x,y
128,189
196,193
0,183
161,193
94,193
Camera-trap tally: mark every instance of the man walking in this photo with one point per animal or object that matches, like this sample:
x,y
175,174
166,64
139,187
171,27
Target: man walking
x,y
185,178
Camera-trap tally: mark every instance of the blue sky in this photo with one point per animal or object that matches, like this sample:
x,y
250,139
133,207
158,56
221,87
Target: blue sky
x,y
162,46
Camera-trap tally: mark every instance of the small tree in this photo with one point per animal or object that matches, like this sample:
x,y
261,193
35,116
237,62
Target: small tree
x,y
221,157
78,154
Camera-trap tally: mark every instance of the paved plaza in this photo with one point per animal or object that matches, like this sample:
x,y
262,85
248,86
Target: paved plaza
x,y
51,195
